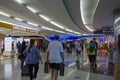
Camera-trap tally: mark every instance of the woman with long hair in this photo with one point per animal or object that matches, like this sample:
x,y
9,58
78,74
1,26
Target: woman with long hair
x,y
32,59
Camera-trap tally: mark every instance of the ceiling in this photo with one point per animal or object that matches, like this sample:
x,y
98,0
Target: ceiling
x,y
75,16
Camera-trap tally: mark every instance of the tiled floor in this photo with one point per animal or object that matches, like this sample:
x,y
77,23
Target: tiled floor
x,y
10,70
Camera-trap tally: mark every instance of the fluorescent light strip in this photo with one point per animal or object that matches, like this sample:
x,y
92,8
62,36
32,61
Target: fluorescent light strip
x,y
4,14
17,25
116,20
69,30
31,9
47,28
77,33
54,23
44,17
19,1
18,19
32,24
89,28
86,14
59,31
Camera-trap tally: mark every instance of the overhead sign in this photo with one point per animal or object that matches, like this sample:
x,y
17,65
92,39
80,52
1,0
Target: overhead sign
x,y
108,29
19,28
25,29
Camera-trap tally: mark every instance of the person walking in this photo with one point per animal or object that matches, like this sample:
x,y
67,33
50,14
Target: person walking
x,y
91,54
32,59
18,46
96,50
55,56
78,48
21,55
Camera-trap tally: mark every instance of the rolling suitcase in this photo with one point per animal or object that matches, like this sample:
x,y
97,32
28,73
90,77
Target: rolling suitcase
x,y
62,69
46,67
25,71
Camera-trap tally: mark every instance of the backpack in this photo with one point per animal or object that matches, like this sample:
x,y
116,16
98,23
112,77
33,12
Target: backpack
x,y
92,47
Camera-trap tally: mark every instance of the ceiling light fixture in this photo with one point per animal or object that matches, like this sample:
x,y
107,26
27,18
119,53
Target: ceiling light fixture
x,y
47,28
19,1
87,9
69,30
4,14
77,33
116,20
31,9
54,23
44,17
32,24
70,33
89,28
18,19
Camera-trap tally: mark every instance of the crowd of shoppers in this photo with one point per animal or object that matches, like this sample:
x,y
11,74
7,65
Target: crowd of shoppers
x,y
31,55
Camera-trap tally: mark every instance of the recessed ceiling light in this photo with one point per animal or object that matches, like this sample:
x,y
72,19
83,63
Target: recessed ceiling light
x,y
18,19
31,9
56,24
32,24
4,14
44,17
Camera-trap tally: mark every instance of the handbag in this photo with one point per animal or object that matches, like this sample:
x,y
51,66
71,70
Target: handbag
x,y
46,67
62,69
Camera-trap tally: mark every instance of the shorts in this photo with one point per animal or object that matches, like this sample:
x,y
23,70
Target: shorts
x,y
92,58
55,66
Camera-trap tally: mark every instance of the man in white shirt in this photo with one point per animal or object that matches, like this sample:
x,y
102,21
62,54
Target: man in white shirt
x,y
55,56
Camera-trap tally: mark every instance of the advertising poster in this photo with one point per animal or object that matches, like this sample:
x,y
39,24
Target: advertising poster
x,y
8,43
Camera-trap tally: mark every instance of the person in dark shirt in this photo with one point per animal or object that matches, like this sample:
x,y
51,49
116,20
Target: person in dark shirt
x,y
96,44
23,46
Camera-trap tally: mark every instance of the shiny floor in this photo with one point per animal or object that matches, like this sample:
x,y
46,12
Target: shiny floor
x,y
10,70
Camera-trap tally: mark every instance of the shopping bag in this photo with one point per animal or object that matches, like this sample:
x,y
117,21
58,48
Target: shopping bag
x,y
62,68
46,67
